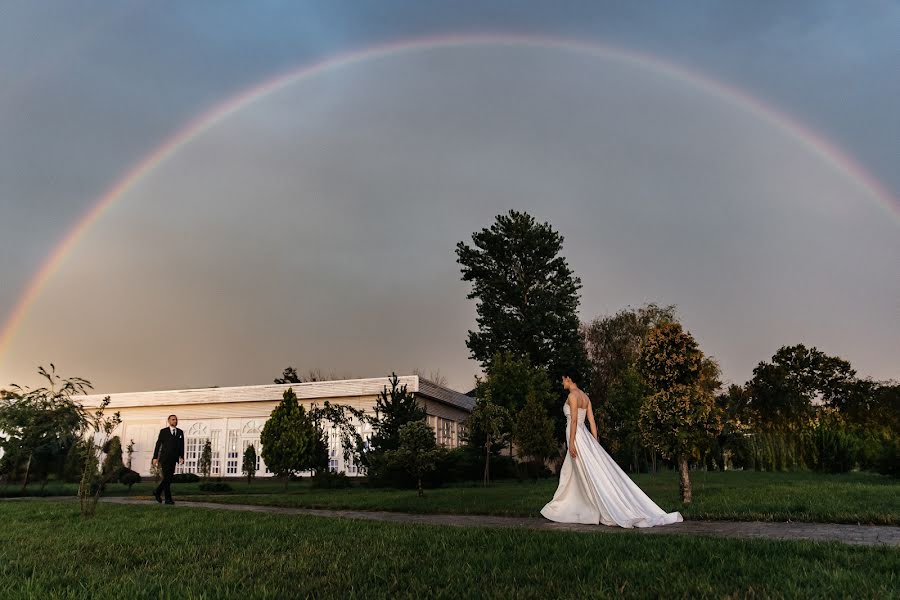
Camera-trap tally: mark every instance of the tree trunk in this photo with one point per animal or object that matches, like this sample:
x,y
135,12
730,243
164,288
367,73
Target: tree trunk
x,y
684,483
27,470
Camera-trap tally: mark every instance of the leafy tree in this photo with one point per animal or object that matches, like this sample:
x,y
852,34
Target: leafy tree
x,y
680,415
248,466
289,375
345,419
620,415
509,381
534,432
488,422
418,453
527,296
40,425
288,438
100,426
205,463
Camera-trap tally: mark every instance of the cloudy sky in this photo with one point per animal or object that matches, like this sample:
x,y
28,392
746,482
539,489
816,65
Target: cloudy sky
x,y
738,160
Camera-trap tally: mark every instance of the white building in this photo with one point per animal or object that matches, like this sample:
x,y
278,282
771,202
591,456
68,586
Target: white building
x,y
232,418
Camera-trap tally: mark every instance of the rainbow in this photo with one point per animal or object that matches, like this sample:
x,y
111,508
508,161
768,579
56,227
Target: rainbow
x,y
826,150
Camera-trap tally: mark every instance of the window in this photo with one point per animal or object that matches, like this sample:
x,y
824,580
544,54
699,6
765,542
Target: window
x,y
445,432
215,466
231,465
247,444
193,446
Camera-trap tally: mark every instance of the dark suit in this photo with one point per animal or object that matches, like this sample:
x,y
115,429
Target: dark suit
x,y
169,450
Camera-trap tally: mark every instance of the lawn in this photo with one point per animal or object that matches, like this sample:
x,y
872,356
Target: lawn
x,y
49,551
865,498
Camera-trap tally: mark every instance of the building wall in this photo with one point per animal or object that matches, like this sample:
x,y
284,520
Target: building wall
x,y
232,426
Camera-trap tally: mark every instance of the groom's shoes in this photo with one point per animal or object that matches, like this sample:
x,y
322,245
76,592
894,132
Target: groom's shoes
x,y
157,496
170,502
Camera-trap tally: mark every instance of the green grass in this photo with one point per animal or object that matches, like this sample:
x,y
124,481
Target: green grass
x,y
49,552
865,498
741,496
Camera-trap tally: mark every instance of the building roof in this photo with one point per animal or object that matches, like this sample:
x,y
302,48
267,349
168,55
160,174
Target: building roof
x,y
267,393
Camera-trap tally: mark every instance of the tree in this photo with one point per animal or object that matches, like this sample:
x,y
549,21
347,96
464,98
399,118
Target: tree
x,y
288,438
393,410
100,426
782,392
40,426
527,296
508,382
345,419
680,415
613,345
488,422
205,462
248,466
418,452
129,451
534,432
289,375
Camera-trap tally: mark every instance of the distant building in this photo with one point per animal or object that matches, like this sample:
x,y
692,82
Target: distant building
x,y
232,418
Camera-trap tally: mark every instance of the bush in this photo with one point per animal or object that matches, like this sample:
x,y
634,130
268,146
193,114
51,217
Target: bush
x,y
185,478
327,479
213,486
889,461
128,477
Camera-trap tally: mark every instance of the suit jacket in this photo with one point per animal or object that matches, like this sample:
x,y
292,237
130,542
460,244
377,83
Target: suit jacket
x,y
169,448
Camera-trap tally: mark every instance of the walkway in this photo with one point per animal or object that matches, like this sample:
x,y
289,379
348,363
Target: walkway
x,y
869,535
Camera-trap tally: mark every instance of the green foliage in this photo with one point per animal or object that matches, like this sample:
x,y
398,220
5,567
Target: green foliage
x,y
418,453
100,427
344,419
214,487
527,296
533,431
782,391
327,479
129,477
670,357
204,465
185,478
112,462
508,383
40,427
394,408
248,465
489,422
288,438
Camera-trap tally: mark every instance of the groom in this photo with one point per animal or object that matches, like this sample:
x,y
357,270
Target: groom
x,y
169,450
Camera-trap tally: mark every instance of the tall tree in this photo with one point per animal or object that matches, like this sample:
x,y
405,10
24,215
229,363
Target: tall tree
x,y
394,408
534,432
783,391
248,463
680,417
204,465
527,296
288,438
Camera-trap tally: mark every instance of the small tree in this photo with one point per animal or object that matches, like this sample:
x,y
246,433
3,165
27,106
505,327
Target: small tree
x,y
129,451
288,438
155,471
112,462
205,463
99,430
680,417
533,431
418,452
248,466
488,422
393,410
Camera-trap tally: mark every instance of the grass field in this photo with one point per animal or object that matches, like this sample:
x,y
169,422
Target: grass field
x,y
49,552
736,495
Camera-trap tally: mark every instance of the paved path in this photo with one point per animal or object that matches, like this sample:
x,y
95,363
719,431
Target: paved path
x,y
823,532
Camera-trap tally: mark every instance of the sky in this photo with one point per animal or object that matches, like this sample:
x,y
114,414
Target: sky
x,y
738,160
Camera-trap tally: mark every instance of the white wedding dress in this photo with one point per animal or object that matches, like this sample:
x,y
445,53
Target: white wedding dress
x,y
593,489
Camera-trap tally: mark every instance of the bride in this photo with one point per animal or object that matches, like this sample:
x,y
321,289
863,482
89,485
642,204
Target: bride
x,y
592,488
